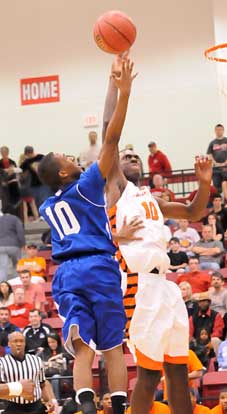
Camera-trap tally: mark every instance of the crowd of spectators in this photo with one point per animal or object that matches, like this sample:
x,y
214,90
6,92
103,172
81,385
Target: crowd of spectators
x,y
196,260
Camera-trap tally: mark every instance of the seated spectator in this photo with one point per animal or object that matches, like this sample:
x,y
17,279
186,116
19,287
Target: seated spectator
x,y
222,356
178,259
105,404
157,408
217,230
34,293
187,236
202,347
36,333
34,263
206,318
209,250
221,408
186,292
159,187
220,211
12,240
218,294
55,360
19,311
6,294
6,328
197,408
157,161
199,281
213,193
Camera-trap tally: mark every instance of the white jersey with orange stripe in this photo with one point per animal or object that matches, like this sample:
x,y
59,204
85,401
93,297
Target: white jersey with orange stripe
x,y
150,252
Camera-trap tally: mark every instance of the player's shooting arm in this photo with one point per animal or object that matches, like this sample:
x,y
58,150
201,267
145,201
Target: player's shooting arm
x,y
115,126
195,210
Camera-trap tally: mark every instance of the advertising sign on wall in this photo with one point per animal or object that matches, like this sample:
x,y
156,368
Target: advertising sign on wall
x,y
40,90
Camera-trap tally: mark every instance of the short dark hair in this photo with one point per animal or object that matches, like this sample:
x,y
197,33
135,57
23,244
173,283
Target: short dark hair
x,y
24,271
174,239
217,195
217,274
35,310
193,258
104,393
4,308
48,171
219,126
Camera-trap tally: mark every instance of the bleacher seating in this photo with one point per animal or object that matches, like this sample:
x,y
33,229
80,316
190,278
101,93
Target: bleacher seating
x,y
213,383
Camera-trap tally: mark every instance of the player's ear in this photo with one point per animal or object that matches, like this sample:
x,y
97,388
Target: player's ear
x,y
63,174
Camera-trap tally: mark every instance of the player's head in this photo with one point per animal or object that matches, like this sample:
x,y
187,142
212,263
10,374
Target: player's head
x,y
223,399
219,130
130,164
56,170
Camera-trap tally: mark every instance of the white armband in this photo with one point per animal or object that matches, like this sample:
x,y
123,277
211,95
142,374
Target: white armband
x,y
15,389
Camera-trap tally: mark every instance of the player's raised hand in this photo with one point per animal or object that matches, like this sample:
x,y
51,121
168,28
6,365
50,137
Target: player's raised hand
x,y
117,63
124,81
203,169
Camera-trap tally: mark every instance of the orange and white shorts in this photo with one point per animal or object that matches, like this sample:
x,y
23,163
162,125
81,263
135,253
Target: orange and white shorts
x,y
159,330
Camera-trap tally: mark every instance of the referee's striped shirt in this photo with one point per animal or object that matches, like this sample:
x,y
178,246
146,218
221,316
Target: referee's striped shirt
x,y
30,368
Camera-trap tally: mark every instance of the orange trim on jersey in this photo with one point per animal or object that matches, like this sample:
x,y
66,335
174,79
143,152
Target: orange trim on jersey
x,y
176,359
146,362
132,278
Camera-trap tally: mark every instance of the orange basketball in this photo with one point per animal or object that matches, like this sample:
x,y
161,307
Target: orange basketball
x,y
114,32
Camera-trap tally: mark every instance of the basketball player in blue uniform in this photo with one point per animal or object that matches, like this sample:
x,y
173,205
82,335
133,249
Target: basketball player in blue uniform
x,y
87,284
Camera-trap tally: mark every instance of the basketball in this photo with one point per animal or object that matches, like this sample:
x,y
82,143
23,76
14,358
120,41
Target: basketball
x,y
114,32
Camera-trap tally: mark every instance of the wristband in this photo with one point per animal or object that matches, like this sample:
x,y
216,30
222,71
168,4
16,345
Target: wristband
x,y
15,389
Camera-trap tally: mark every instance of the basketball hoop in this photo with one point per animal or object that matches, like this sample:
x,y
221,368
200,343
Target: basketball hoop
x,y
213,49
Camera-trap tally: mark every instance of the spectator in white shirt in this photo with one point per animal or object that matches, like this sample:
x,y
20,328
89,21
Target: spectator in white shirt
x,y
218,294
91,154
187,236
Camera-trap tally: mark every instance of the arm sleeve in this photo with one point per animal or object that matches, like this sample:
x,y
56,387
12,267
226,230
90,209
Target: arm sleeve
x,y
218,327
219,245
91,185
20,232
191,327
166,164
42,377
209,149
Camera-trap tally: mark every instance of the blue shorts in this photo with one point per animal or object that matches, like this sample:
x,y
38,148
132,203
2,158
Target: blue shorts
x,y
88,293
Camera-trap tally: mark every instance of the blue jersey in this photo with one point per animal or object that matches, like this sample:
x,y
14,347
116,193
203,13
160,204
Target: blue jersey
x,y
78,219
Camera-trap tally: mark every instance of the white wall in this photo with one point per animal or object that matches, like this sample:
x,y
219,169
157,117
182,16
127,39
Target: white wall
x,y
174,99
220,25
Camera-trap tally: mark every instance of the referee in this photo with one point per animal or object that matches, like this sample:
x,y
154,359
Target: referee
x,y
18,366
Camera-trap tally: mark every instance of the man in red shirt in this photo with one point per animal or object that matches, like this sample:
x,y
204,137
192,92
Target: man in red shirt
x,y
159,188
157,161
199,280
19,312
208,319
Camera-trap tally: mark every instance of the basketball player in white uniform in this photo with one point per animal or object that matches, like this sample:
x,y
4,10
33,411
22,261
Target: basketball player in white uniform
x,y
159,328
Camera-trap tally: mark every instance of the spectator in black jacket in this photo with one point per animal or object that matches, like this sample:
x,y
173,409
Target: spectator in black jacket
x,y
36,333
203,347
6,328
207,318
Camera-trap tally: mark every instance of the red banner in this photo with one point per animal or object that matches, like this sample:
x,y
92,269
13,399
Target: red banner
x,y
40,90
